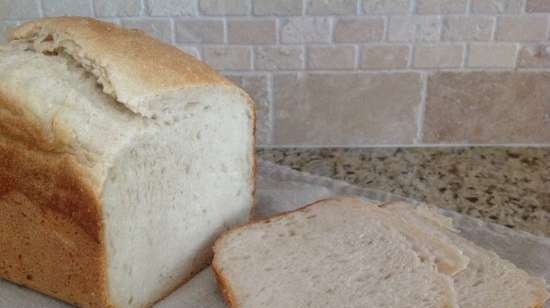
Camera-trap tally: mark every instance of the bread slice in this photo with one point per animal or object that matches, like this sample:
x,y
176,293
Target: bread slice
x,y
121,160
489,281
333,253
428,245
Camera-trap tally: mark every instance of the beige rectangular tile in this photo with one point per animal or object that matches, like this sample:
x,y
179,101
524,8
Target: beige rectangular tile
x,y
385,57
345,108
224,7
467,28
386,6
534,56
331,57
331,7
166,7
441,6
305,30
438,56
497,6
487,107
67,8
19,9
522,28
356,30
251,31
414,28
277,7
228,57
538,6
274,58
497,55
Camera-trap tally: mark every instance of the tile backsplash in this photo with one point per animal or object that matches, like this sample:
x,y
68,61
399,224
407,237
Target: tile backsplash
x,y
358,72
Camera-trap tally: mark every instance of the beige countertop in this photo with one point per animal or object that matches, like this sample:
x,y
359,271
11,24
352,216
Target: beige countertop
x,y
509,186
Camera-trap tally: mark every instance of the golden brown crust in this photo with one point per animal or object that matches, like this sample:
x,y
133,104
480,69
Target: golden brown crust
x,y
37,168
46,251
136,62
227,292
51,233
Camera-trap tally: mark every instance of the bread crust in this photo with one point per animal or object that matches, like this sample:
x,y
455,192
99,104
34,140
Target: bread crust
x,y
128,54
51,233
227,292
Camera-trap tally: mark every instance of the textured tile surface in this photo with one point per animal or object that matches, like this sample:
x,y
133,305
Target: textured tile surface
x,y
467,28
358,30
335,58
309,109
534,56
508,186
442,56
492,55
251,31
385,57
483,107
521,28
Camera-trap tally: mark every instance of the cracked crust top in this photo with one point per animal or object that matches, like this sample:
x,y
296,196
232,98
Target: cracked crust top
x,y
136,65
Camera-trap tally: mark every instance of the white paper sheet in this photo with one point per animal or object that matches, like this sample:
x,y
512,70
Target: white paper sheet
x,y
281,189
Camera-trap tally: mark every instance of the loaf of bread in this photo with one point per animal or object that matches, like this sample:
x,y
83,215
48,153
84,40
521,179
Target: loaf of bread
x,y
343,252
121,160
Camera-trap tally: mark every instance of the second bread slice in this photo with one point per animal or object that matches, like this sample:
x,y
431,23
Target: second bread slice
x,y
488,281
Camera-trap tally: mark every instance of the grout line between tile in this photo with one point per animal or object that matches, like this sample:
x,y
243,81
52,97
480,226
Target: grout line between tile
x,y
421,109
40,8
496,22
142,10
277,31
468,8
271,111
385,35
466,55
412,52
172,31
358,57
225,30
92,4
516,56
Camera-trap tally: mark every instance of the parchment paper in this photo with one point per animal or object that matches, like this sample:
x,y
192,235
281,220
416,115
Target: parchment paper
x,y
282,189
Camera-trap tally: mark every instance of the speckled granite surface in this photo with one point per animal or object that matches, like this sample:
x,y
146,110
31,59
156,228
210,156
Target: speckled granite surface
x,y
510,186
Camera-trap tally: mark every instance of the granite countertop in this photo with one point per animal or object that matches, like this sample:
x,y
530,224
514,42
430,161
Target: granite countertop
x,y
509,186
